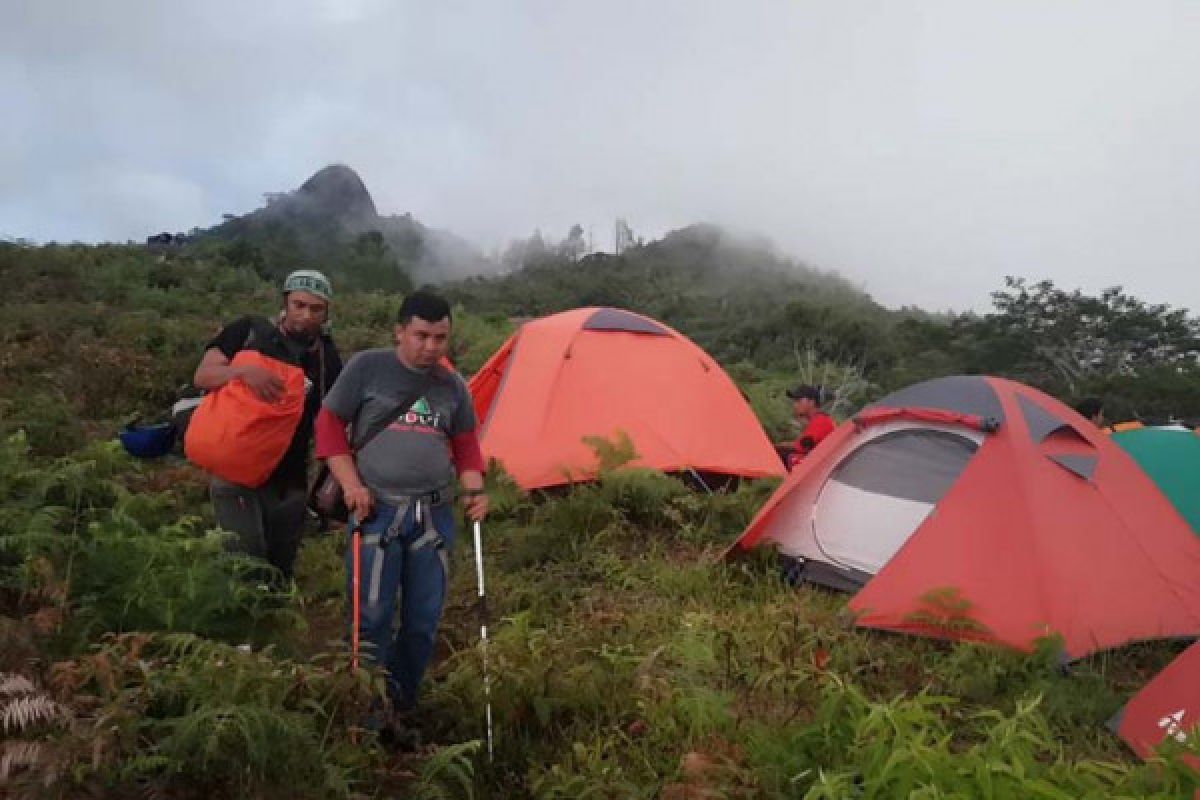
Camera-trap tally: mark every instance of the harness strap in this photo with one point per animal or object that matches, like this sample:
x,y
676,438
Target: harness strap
x,y
435,498
432,538
423,516
430,535
376,579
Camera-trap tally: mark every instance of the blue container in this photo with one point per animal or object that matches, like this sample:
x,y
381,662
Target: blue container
x,y
148,441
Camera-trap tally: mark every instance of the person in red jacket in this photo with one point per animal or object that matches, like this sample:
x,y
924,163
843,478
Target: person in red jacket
x,y
806,405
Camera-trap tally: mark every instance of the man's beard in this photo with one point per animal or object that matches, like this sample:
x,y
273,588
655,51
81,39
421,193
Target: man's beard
x,y
300,337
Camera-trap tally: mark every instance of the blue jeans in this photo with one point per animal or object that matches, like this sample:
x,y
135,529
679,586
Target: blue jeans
x,y
411,568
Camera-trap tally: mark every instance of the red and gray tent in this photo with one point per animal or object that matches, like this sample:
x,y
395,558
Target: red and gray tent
x,y
974,507
1166,709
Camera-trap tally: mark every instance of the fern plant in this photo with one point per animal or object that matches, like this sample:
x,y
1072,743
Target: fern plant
x,y
29,721
449,773
178,711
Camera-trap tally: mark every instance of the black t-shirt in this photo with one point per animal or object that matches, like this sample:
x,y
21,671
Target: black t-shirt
x,y
257,333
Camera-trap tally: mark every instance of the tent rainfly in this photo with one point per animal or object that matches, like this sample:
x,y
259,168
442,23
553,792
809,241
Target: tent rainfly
x,y
973,507
598,372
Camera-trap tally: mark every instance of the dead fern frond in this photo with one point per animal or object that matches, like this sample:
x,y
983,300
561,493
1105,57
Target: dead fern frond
x,y
25,711
12,683
16,755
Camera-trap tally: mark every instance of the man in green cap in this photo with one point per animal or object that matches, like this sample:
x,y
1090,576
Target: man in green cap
x,y
269,519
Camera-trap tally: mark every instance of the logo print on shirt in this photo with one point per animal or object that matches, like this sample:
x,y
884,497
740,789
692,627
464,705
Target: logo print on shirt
x,y
422,415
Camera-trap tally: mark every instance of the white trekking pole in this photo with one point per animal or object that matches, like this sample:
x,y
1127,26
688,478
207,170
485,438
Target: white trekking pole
x,y
483,617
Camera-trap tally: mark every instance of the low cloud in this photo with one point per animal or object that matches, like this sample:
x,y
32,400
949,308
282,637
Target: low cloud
x,y
924,151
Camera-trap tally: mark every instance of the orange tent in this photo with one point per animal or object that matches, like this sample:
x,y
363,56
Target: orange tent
x,y
601,371
1166,708
974,507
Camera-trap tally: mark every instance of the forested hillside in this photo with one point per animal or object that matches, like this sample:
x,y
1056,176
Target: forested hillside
x,y
762,314
765,316
330,222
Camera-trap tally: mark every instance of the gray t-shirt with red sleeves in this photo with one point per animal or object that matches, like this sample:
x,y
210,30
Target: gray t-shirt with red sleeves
x,y
412,455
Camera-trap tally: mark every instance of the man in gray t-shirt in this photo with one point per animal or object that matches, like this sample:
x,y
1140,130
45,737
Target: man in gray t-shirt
x,y
400,484
412,455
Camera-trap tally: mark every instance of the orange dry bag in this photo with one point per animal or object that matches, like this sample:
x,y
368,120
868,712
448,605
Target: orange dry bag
x,y
236,435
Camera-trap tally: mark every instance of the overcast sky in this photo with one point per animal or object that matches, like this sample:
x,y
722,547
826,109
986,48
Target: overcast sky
x,y
922,149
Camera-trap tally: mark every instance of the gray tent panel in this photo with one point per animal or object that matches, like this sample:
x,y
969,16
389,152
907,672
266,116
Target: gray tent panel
x,y
963,394
614,319
1040,421
831,576
916,464
1083,466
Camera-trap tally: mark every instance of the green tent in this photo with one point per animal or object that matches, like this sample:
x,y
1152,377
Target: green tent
x,y
1172,460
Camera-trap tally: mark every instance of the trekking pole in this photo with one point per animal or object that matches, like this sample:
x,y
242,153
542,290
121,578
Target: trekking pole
x,y
356,585
483,615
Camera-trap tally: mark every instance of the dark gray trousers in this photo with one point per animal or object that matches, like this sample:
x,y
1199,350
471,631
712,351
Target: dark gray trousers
x,y
268,521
